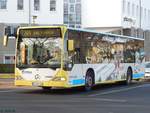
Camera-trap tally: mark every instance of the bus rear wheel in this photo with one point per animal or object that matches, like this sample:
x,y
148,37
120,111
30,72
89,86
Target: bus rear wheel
x,y
89,80
129,76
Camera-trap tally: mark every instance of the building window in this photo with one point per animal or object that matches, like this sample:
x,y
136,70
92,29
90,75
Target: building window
x,y
72,19
141,12
36,5
133,9
78,26
72,25
72,1
145,15
78,18
52,5
65,1
149,17
137,11
72,9
72,13
128,8
3,4
78,8
20,5
79,1
9,59
65,8
123,6
65,18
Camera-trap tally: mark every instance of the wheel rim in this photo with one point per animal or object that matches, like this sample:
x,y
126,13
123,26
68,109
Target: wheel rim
x,y
89,81
129,79
129,76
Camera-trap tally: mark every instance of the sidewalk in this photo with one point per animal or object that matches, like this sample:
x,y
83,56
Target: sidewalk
x,y
6,80
146,79
6,83
5,75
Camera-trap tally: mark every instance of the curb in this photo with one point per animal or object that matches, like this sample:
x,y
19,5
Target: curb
x,y
4,85
146,80
7,75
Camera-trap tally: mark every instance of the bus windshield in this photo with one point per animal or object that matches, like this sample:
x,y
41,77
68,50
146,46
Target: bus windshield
x,y
39,49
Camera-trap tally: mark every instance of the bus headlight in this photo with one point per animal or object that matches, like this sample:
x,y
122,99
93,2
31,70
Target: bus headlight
x,y
69,66
19,78
63,79
59,79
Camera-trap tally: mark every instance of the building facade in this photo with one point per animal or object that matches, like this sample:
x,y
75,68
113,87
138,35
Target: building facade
x,y
41,12
7,54
98,14
127,17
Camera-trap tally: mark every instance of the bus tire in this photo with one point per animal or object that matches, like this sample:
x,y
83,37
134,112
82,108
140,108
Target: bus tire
x,y
129,76
46,88
89,80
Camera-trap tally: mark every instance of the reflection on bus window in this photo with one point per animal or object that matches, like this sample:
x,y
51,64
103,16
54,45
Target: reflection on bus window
x,y
39,51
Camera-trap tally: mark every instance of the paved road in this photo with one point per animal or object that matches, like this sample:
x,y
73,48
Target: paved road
x,y
103,99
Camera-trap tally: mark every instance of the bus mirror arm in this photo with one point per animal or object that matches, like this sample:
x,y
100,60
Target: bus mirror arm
x,y
70,45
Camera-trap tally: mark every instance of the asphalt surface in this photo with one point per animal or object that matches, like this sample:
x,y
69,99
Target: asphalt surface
x,y
111,98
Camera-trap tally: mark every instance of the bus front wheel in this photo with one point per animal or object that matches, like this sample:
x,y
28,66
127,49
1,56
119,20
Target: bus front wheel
x,y
89,80
129,76
46,88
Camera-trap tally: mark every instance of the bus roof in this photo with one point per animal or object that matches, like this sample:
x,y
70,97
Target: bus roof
x,y
32,27
107,34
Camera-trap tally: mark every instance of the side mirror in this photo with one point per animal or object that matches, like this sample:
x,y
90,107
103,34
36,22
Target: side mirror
x,y
23,53
70,45
5,40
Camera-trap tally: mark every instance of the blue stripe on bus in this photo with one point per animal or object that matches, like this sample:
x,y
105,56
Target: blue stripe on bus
x,y
138,75
78,82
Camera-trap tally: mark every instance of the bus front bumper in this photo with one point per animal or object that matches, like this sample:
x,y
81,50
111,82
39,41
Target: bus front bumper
x,y
62,84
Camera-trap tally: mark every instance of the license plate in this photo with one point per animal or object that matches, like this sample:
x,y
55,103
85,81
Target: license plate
x,y
37,84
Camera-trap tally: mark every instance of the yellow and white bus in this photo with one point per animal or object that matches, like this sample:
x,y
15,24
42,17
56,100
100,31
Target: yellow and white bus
x,y
57,56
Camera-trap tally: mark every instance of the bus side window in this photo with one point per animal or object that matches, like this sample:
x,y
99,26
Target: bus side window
x,y
77,55
129,56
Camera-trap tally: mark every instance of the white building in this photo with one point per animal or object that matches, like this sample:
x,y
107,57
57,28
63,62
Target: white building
x,y
40,12
23,11
113,15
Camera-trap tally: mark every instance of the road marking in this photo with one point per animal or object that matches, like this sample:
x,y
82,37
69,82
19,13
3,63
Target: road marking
x,y
7,91
118,90
109,100
18,89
